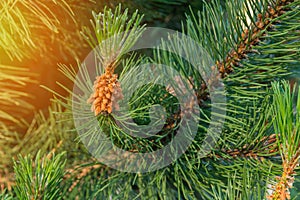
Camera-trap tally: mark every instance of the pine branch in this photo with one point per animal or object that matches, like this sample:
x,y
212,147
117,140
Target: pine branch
x,y
191,177
12,101
258,71
251,36
26,12
5,196
12,105
247,38
266,147
248,186
39,180
79,172
114,37
52,134
32,29
287,123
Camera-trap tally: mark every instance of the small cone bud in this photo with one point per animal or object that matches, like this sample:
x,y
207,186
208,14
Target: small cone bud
x,y
107,91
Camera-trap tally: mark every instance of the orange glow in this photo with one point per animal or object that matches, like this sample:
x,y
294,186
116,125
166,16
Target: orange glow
x,y
36,36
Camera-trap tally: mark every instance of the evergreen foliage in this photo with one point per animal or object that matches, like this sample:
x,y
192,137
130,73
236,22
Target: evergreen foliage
x,y
41,179
254,45
12,100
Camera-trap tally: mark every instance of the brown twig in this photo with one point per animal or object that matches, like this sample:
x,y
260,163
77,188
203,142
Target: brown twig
x,y
79,172
248,151
249,38
281,190
286,180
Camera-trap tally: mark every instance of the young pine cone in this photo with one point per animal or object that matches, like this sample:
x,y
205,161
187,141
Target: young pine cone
x,y
107,93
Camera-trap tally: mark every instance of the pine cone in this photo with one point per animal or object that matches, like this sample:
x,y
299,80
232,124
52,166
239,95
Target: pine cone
x,y
107,93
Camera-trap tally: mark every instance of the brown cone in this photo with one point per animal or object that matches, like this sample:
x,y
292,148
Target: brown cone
x,y
107,92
